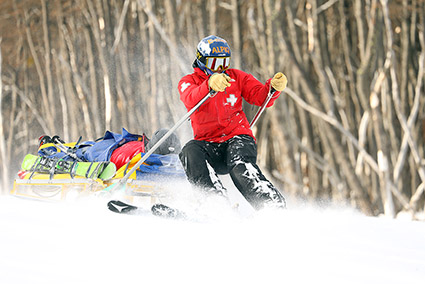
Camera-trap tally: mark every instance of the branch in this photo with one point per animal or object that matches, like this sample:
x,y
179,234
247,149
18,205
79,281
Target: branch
x,y
372,163
325,6
397,104
4,162
334,123
173,49
118,31
30,105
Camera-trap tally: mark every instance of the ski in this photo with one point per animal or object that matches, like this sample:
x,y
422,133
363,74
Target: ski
x,y
159,210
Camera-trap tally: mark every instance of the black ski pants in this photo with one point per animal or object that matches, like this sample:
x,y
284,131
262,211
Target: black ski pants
x,y
237,157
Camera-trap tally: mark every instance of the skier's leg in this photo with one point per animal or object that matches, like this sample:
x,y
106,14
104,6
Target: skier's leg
x,y
197,157
255,187
247,176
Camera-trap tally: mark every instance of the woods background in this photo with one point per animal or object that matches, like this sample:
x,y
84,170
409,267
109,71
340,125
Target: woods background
x,y
350,128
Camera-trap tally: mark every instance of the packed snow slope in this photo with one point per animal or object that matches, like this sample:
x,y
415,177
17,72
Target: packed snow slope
x,y
83,242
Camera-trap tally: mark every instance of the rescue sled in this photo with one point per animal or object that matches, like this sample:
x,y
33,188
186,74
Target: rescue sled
x,y
68,171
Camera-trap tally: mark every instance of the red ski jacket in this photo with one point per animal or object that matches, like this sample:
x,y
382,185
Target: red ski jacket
x,y
221,117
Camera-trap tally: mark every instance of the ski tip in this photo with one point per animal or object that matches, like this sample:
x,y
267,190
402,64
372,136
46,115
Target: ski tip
x,y
120,207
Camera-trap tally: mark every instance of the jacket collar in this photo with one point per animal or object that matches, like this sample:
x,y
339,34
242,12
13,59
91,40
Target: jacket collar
x,y
200,73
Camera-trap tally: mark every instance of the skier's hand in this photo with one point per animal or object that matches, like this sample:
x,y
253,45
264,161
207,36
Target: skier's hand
x,y
279,81
219,82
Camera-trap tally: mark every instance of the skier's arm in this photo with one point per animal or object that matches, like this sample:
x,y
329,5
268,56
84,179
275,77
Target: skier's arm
x,y
190,92
254,92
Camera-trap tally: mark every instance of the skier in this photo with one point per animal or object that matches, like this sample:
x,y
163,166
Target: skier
x,y
223,141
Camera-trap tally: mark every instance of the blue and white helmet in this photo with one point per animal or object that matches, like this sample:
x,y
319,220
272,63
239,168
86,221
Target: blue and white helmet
x,y
213,54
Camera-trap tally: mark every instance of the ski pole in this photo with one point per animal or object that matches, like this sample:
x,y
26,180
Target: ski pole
x,y
56,140
123,181
263,107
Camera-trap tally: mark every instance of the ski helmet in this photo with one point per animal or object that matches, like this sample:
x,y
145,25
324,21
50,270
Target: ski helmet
x,y
212,53
171,145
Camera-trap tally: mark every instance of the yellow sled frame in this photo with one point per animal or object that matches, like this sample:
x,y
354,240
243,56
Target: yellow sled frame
x,y
55,189
62,187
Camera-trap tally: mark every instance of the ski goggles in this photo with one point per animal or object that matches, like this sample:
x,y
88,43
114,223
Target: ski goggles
x,y
214,63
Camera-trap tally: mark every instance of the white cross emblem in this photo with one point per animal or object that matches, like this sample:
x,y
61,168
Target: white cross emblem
x,y
184,86
232,99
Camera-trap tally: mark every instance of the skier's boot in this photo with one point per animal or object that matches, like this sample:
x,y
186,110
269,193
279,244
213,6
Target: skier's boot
x,y
254,186
165,211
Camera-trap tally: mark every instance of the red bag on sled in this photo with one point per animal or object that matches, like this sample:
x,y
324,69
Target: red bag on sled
x,y
122,155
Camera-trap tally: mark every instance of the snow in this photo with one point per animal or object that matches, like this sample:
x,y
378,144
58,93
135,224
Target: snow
x,y
83,242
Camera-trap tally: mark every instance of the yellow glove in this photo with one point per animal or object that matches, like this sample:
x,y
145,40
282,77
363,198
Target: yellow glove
x,y
219,82
279,81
